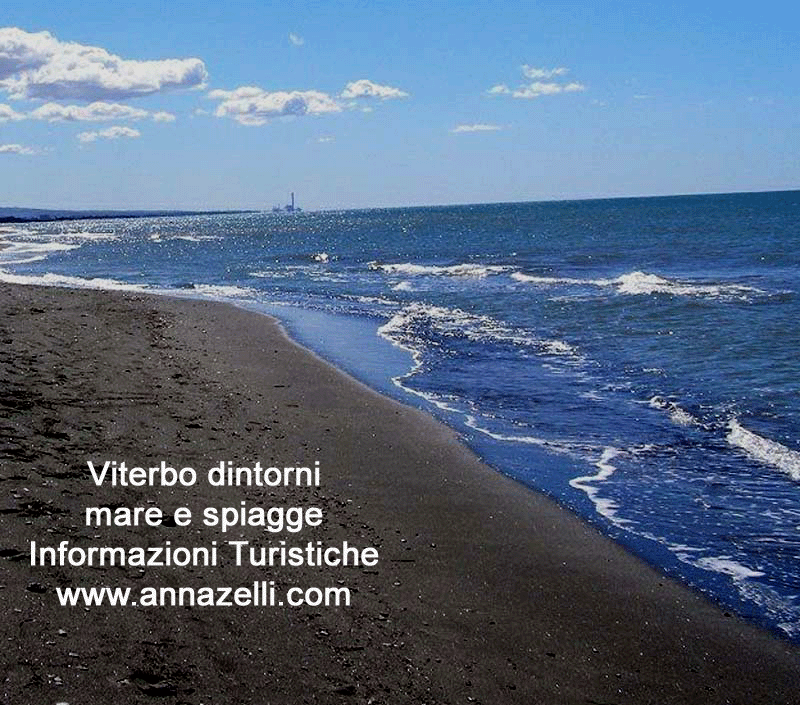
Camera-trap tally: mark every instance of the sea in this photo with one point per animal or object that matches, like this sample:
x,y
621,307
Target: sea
x,y
637,360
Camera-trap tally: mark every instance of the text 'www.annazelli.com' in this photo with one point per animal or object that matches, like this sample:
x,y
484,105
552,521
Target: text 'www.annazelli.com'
x,y
262,593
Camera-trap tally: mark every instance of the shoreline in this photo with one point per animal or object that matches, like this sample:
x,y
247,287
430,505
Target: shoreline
x,y
486,591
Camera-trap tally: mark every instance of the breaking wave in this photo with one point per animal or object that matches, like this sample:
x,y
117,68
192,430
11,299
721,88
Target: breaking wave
x,y
478,271
61,280
764,450
641,283
678,416
453,322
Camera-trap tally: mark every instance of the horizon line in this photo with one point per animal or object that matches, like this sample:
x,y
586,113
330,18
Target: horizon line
x,y
223,210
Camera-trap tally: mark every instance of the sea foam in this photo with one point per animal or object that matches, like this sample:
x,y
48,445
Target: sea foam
x,y
61,280
478,271
603,506
639,283
454,322
764,450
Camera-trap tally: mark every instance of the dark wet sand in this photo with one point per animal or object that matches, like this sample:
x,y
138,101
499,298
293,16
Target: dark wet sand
x,y
485,592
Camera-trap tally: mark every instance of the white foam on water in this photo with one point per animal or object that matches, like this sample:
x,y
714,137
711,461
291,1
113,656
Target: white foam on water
x,y
562,447
400,331
638,283
643,283
764,450
21,252
592,395
225,291
605,507
24,246
195,238
284,273
403,286
478,271
321,257
743,579
454,322
372,300
548,281
472,423
678,416
70,282
727,566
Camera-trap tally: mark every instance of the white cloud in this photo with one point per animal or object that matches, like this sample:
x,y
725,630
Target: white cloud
x,y
94,112
110,133
477,127
37,65
21,51
16,149
252,106
323,140
7,113
532,72
296,39
98,111
364,88
537,88
499,89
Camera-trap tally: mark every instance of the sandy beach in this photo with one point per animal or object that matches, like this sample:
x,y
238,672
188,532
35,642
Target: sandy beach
x,y
485,592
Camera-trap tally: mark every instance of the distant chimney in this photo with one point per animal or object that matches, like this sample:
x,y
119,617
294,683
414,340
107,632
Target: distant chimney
x,y
292,200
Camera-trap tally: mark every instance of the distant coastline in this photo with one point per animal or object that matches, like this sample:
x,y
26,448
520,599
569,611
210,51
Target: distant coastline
x,y
32,215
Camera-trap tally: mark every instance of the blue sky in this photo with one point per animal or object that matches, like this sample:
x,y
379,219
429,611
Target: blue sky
x,y
362,104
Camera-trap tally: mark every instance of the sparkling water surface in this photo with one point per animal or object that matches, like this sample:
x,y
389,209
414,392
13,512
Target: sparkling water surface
x,y
636,359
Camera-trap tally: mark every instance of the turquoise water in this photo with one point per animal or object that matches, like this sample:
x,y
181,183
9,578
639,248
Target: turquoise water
x,y
636,359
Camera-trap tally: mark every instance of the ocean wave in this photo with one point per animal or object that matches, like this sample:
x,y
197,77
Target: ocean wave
x,y
61,280
195,238
453,322
643,283
727,566
283,273
678,416
321,257
369,299
224,291
549,281
478,271
639,283
40,249
764,450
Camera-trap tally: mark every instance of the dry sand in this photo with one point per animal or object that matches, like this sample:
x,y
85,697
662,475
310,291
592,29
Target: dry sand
x,y
485,592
